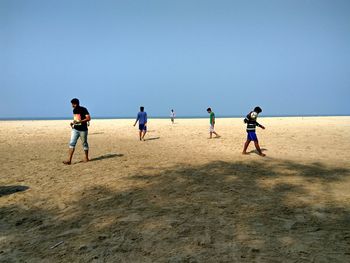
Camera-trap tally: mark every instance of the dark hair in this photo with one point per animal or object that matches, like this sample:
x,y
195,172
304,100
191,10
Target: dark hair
x,y
142,108
75,101
209,109
257,109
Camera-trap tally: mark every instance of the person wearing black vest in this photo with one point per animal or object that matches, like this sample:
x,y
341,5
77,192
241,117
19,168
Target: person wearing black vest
x,y
251,121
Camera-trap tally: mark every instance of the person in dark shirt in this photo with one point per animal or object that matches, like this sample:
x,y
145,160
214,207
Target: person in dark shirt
x,y
79,129
251,122
142,119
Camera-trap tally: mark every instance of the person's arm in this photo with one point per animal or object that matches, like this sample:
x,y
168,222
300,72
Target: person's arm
x,y
146,119
261,126
137,119
87,118
247,118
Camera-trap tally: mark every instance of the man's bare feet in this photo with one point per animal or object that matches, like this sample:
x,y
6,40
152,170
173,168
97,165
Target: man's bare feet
x,y
67,162
86,160
217,137
262,154
244,153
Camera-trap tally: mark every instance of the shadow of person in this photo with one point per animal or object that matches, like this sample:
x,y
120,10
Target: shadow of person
x,y
7,190
106,156
152,138
256,152
96,133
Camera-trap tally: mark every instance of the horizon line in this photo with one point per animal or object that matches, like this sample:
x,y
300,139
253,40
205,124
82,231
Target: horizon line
x,y
168,117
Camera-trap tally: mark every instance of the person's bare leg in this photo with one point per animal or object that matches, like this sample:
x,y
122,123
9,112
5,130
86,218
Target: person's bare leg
x,y
245,147
217,135
258,148
143,136
211,135
140,134
86,156
70,156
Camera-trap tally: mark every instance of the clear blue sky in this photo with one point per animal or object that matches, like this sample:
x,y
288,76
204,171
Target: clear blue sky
x,y
289,57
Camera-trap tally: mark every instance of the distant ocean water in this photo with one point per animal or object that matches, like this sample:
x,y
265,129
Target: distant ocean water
x,y
162,117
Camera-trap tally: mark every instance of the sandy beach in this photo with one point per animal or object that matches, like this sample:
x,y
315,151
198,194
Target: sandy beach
x,y
178,196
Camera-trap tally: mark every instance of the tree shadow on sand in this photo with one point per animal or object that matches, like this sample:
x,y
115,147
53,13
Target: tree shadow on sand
x,y
217,212
7,190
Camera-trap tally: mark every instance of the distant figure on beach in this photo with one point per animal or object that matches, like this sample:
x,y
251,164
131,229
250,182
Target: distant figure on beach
x,y
79,130
212,124
142,119
251,122
172,116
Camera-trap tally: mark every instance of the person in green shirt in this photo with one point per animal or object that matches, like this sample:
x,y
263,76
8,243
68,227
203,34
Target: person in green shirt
x,y
212,124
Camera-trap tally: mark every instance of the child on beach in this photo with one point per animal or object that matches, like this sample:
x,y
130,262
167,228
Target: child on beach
x,y
142,119
251,122
212,124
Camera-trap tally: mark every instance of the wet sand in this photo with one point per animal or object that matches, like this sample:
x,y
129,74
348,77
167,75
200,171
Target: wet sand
x,y
178,196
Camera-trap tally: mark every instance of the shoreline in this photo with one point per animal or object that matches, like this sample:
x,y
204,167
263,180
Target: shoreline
x,y
178,118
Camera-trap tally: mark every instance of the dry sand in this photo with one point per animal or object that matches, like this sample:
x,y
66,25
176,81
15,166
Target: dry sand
x,y
177,197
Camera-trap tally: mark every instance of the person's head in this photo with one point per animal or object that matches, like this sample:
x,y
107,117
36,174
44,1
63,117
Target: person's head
x,y
209,110
258,109
142,108
75,102
172,110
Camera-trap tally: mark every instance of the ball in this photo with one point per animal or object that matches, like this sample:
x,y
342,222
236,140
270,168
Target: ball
x,y
253,115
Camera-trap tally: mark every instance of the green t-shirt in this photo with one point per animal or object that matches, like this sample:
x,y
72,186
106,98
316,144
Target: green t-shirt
x,y
212,117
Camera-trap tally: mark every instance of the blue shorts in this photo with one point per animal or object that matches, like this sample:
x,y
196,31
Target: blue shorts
x,y
142,127
75,134
252,136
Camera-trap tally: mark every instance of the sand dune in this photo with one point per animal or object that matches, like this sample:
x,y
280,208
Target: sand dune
x,y
177,197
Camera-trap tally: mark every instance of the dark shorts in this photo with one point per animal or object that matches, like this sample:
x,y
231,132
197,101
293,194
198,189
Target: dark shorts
x,y
142,127
252,136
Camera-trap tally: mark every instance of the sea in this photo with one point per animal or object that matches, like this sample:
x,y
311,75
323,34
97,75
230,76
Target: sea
x,y
160,117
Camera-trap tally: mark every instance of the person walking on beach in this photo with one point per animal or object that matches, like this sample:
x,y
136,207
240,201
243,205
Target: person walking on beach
x,y
172,116
251,122
79,130
142,119
212,124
